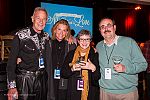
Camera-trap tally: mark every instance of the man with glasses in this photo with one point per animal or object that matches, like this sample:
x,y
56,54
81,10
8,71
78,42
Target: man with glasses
x,y
120,61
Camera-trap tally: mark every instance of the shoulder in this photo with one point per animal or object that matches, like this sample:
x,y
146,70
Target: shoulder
x,y
99,44
70,54
124,38
23,33
71,46
92,52
46,36
127,40
23,30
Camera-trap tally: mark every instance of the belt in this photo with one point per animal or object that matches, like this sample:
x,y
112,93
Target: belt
x,y
35,73
38,72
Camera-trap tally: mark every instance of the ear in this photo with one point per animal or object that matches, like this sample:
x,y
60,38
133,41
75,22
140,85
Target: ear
x,y
55,31
115,27
99,28
78,40
32,18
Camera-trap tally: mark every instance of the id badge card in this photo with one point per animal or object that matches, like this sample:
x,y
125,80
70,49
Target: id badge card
x,y
80,84
56,73
41,62
107,73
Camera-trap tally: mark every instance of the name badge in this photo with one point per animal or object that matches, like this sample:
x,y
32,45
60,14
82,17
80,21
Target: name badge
x,y
80,84
41,62
56,73
107,73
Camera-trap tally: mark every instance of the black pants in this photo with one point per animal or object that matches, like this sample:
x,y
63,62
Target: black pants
x,y
32,85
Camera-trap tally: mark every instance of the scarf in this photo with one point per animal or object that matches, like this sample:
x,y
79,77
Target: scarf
x,y
76,56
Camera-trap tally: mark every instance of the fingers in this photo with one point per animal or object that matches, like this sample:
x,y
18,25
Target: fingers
x,y
76,67
18,60
12,93
9,97
89,60
119,68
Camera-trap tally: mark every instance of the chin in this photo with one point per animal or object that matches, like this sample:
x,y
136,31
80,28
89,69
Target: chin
x,y
84,47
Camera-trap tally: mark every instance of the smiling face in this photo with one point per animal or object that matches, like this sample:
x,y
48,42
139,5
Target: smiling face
x,y
61,31
84,41
107,29
39,20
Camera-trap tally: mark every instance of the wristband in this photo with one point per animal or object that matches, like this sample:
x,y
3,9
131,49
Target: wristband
x,y
12,84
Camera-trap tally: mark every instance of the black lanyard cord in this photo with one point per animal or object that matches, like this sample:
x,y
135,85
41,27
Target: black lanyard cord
x,y
40,44
108,58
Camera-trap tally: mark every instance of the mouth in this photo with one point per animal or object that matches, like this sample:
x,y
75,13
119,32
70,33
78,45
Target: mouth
x,y
84,45
107,31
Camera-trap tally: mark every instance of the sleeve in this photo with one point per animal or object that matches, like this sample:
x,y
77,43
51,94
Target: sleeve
x,y
11,64
137,63
96,74
66,69
72,46
48,65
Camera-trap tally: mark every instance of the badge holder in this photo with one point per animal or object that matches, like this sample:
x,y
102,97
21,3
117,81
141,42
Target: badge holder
x,y
80,81
107,73
80,84
41,62
57,73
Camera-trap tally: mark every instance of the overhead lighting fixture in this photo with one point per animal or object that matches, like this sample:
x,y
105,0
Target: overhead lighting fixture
x,y
138,8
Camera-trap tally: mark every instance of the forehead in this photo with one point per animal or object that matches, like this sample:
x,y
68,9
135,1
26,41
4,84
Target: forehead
x,y
40,13
105,22
62,26
85,36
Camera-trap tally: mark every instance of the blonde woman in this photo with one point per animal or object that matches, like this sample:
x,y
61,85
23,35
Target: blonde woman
x,y
59,47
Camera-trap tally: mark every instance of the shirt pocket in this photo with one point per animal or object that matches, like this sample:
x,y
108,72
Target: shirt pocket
x,y
27,48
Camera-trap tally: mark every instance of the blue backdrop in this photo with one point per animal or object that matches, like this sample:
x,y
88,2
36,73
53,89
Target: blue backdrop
x,y
78,17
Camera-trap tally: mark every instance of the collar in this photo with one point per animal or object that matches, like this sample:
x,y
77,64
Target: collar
x,y
33,32
114,42
59,42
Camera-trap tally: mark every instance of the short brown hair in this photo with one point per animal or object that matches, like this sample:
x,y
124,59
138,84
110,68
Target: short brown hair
x,y
83,32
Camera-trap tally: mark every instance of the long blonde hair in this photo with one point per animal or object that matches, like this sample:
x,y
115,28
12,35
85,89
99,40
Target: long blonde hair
x,y
64,22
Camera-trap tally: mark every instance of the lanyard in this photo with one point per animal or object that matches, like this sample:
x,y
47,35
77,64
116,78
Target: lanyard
x,y
40,44
108,57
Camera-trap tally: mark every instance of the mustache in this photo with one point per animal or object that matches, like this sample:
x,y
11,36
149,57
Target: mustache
x,y
107,31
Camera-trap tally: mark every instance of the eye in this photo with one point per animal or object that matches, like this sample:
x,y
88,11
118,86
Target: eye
x,y
102,27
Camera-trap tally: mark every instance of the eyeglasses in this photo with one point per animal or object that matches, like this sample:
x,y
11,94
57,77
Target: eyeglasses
x,y
86,40
104,27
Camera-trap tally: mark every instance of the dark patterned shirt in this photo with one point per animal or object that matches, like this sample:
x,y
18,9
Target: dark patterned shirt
x,y
27,45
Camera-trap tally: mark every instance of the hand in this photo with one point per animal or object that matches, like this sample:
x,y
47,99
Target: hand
x,y
88,65
76,67
18,60
11,93
119,68
71,40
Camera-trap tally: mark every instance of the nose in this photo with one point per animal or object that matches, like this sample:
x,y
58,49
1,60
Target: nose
x,y
41,21
106,27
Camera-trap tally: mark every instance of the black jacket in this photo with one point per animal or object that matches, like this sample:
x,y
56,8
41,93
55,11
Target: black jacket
x,y
73,93
49,63
26,45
